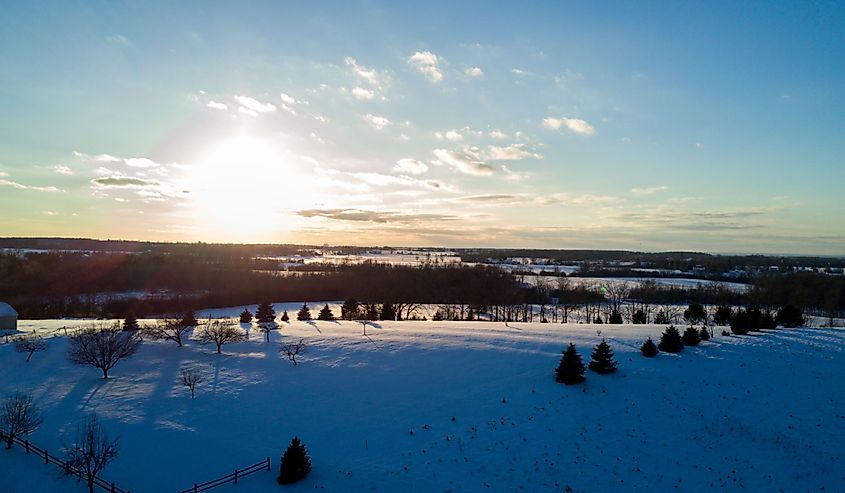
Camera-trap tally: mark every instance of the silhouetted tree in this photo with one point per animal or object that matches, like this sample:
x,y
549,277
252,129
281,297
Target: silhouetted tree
x,y
191,378
30,345
387,311
102,348
638,317
662,318
246,317
325,313
169,330
615,318
285,317
570,371
295,463
131,323
723,316
602,359
691,337
293,349
704,334
695,314
790,316
670,341
265,313
349,309
189,319
18,416
304,313
649,348
220,332
92,450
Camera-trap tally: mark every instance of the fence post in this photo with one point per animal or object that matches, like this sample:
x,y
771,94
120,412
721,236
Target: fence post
x,y
46,455
112,488
26,444
268,463
236,476
195,487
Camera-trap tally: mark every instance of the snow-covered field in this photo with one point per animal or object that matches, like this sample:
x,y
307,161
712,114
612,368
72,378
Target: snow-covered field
x,y
452,406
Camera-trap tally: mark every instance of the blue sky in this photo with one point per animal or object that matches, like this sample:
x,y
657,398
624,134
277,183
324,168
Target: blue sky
x,y
714,126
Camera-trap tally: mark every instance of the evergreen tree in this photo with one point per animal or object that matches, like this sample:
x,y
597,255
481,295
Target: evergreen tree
x,y
638,317
662,318
670,340
597,320
695,313
723,316
349,309
285,317
704,334
325,313
387,311
295,464
691,337
246,316
790,317
570,371
767,321
131,323
189,319
304,313
437,316
602,359
265,313
649,348
615,318
372,312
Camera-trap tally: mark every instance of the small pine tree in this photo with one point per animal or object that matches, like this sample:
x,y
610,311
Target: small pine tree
x,y
695,313
704,334
638,317
387,311
767,321
325,313
602,359
295,463
285,317
131,323
265,313
662,318
304,313
246,316
670,340
790,317
349,309
570,371
615,318
649,348
723,316
597,320
691,337
437,316
189,319
372,312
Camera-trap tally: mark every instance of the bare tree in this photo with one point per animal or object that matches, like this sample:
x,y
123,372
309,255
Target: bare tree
x,y
18,416
266,328
170,330
292,350
30,345
220,332
92,450
191,378
102,348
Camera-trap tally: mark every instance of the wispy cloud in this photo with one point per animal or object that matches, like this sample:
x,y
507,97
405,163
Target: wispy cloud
x,y
63,170
217,106
475,72
255,105
371,76
123,181
513,152
464,163
361,93
427,63
575,125
649,190
378,122
20,186
410,166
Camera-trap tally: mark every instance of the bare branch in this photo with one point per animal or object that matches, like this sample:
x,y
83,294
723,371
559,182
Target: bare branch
x,y
191,378
102,348
18,416
220,332
30,345
292,350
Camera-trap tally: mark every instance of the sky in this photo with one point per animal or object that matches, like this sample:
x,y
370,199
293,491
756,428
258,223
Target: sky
x,y
704,126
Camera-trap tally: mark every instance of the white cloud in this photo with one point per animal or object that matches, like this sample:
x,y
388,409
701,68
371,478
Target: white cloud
x,y
513,152
453,135
99,158
569,199
649,190
361,93
20,186
217,106
372,76
463,163
140,162
246,111
511,175
255,105
410,166
519,72
575,125
62,170
498,134
288,99
474,72
426,63
378,122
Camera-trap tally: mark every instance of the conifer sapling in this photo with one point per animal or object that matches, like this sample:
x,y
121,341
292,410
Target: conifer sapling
x,y
602,359
649,348
670,341
295,464
570,371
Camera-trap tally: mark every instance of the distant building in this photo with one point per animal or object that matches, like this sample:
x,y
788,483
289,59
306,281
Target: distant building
x,y
8,317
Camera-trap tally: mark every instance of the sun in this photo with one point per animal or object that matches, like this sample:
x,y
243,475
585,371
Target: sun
x,y
243,186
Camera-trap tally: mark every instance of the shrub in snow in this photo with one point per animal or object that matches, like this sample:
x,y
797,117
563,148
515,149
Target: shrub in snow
x,y
265,313
695,314
18,416
304,313
649,348
349,309
615,318
189,319
662,318
691,337
602,359
749,319
246,316
295,464
285,317
597,320
670,340
638,317
131,323
704,334
723,316
790,316
325,313
571,369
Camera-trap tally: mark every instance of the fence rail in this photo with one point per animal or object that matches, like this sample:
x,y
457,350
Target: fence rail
x,y
66,467
230,478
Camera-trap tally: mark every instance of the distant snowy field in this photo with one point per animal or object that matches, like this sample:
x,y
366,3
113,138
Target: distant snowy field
x,y
755,413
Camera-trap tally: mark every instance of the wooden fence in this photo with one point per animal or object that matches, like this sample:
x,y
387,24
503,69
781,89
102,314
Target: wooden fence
x,y
230,478
66,467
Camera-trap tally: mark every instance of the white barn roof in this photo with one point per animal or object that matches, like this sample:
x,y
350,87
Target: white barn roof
x,y
6,310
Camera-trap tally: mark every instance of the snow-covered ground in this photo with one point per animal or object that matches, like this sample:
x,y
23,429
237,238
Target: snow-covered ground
x,y
452,406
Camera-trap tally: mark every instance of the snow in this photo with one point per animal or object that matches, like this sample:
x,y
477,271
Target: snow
x,y
754,413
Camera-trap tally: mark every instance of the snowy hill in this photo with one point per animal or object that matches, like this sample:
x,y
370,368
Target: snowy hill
x,y
452,406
